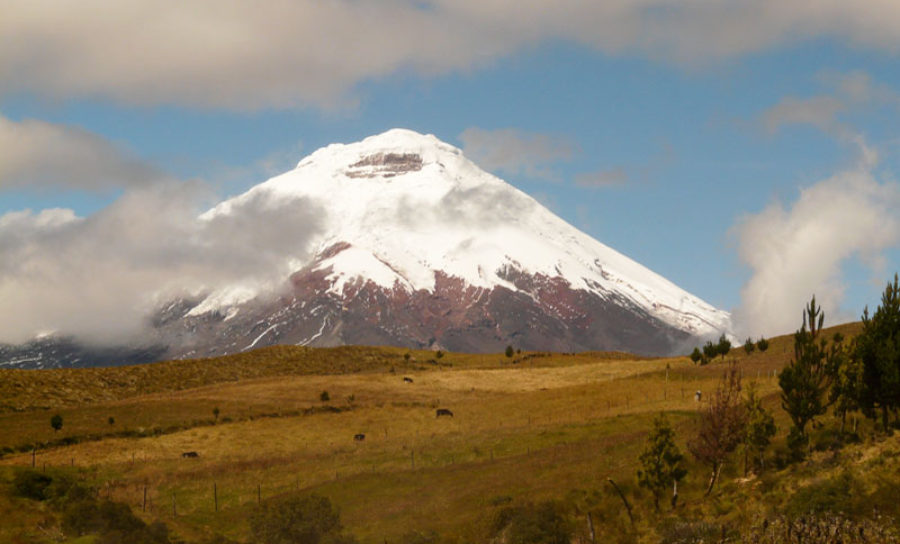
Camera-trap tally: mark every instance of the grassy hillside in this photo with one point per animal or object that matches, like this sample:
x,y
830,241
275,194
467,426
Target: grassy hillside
x,y
524,429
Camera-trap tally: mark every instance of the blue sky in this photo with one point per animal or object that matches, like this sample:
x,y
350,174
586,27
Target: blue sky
x,y
749,155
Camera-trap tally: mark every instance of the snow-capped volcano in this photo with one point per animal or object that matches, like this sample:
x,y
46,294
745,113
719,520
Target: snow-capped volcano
x,y
415,245
406,212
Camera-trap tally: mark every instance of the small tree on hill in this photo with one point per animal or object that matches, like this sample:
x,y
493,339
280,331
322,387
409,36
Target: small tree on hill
x,y
722,425
216,413
56,422
749,346
324,396
762,345
723,347
696,356
878,353
509,351
710,350
660,463
806,380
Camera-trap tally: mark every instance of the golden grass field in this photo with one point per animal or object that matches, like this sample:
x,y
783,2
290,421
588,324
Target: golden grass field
x,y
523,429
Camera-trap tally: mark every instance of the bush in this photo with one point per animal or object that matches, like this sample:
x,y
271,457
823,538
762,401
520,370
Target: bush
x,y
324,396
307,519
32,485
90,516
542,523
677,531
841,494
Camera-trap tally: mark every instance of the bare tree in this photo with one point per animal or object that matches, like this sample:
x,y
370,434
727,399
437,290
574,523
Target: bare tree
x,y
722,425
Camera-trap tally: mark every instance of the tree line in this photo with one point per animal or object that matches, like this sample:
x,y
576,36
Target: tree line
x,y
862,375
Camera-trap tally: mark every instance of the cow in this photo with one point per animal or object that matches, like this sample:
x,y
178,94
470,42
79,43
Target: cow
x,y
407,379
190,454
443,412
359,437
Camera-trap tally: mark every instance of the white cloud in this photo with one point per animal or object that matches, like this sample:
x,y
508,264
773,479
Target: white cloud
x,y
602,178
797,252
516,152
242,55
848,92
37,154
98,277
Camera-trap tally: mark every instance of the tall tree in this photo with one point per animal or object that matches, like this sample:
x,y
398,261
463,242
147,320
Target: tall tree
x,y
806,380
660,463
878,352
722,425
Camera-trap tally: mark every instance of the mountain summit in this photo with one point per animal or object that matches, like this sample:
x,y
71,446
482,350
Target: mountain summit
x,y
414,245
420,247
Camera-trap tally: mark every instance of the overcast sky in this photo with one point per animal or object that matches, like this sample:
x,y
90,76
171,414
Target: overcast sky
x,y
747,150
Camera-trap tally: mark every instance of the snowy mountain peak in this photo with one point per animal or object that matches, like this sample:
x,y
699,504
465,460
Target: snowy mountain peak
x,y
385,155
401,210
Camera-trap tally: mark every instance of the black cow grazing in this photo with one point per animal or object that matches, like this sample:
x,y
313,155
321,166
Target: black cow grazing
x,y
359,437
443,412
190,454
407,379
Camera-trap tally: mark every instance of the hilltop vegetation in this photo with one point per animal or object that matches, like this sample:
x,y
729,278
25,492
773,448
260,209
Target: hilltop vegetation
x,y
529,453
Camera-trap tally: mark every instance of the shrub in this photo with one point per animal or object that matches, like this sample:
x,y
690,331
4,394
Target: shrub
x,y
56,422
30,484
678,531
324,396
509,351
309,519
542,523
836,495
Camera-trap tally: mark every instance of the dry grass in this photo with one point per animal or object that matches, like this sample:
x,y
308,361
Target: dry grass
x,y
537,428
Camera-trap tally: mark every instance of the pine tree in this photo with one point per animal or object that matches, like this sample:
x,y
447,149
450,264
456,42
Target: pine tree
x,y
806,381
696,355
660,462
759,431
762,345
723,347
749,346
878,352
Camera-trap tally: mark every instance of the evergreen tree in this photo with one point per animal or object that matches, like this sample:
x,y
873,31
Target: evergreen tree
x,y
710,350
56,422
759,431
749,346
723,347
696,355
722,425
509,351
762,345
660,463
806,380
847,384
878,353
